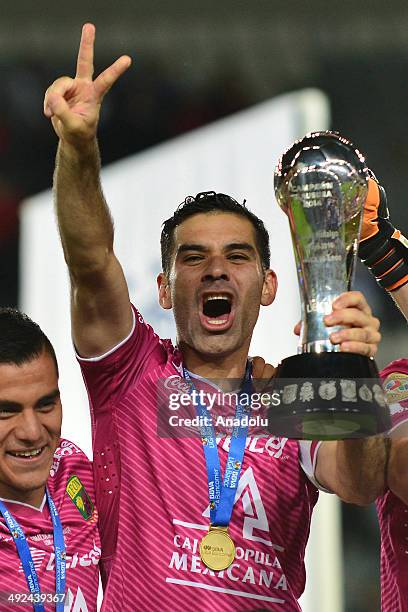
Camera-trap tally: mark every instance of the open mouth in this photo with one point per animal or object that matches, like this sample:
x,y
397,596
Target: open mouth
x,y
217,310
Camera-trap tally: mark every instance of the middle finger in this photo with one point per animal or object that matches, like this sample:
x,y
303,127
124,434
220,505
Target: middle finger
x,y
352,317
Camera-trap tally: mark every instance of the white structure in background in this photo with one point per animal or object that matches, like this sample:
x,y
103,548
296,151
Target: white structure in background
x,y
236,155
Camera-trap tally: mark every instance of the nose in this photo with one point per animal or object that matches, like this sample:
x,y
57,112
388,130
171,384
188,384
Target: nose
x,y
29,427
216,269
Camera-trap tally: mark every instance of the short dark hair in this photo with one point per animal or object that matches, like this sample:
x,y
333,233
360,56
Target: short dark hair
x,y
209,201
22,340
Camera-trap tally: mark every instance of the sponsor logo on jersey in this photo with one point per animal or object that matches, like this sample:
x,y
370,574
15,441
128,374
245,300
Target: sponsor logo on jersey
x,y
77,493
77,559
65,448
396,387
39,557
272,446
174,382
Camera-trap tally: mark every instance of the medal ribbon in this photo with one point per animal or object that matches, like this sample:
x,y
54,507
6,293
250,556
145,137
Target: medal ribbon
x,y
25,555
222,493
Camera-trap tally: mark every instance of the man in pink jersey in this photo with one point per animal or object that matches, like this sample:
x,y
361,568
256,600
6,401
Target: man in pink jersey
x,y
155,494
385,251
48,519
392,506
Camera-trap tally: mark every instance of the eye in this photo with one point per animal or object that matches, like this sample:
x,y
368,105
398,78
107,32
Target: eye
x,y
238,257
6,413
47,406
193,258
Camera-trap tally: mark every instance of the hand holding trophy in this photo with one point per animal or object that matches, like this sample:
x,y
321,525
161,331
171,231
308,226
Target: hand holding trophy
x,y
321,184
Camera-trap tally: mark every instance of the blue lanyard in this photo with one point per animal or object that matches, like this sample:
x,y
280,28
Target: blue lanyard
x,y
27,560
222,494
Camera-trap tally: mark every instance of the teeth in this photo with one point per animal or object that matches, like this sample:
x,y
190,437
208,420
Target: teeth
x,y
31,453
217,296
217,321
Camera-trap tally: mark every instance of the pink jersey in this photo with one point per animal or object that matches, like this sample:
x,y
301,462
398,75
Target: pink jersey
x,y
392,512
71,469
152,496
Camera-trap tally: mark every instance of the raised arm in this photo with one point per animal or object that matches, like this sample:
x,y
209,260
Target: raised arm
x,y
100,307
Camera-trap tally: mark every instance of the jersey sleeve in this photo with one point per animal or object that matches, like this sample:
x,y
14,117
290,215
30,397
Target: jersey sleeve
x,y
308,451
110,375
307,458
395,383
107,378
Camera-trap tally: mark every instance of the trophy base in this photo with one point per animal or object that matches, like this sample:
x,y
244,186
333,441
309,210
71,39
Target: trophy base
x,y
328,396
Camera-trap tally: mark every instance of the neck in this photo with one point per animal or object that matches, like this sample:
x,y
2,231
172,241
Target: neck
x,y
31,498
231,366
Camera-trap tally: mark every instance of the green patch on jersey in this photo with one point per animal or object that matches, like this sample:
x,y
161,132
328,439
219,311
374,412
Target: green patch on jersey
x,y
80,497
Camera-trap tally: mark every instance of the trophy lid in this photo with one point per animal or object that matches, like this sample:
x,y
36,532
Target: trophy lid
x,y
317,149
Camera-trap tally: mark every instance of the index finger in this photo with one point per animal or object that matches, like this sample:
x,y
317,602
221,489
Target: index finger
x,y
85,65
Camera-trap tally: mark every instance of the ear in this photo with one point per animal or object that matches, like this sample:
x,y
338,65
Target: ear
x,y
270,286
164,291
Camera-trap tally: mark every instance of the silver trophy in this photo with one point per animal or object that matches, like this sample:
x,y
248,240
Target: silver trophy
x,y
321,184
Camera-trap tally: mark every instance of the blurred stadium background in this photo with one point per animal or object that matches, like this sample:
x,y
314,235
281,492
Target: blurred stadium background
x,y
197,62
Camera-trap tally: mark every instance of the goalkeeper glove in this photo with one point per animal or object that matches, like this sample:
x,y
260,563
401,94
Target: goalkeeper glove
x,y
383,249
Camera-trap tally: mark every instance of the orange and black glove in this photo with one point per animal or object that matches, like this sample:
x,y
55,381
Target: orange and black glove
x,y
383,249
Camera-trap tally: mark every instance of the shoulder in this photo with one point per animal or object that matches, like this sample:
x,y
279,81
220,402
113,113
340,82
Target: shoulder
x,y
141,344
399,365
69,456
71,475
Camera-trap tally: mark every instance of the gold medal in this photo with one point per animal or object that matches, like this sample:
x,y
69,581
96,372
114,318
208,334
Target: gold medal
x,y
217,549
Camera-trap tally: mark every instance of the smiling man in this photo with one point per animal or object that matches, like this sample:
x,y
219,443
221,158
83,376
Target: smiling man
x,y
29,395
49,542
203,523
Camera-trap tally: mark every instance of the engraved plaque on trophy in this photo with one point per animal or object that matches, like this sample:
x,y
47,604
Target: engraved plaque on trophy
x,y
321,184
